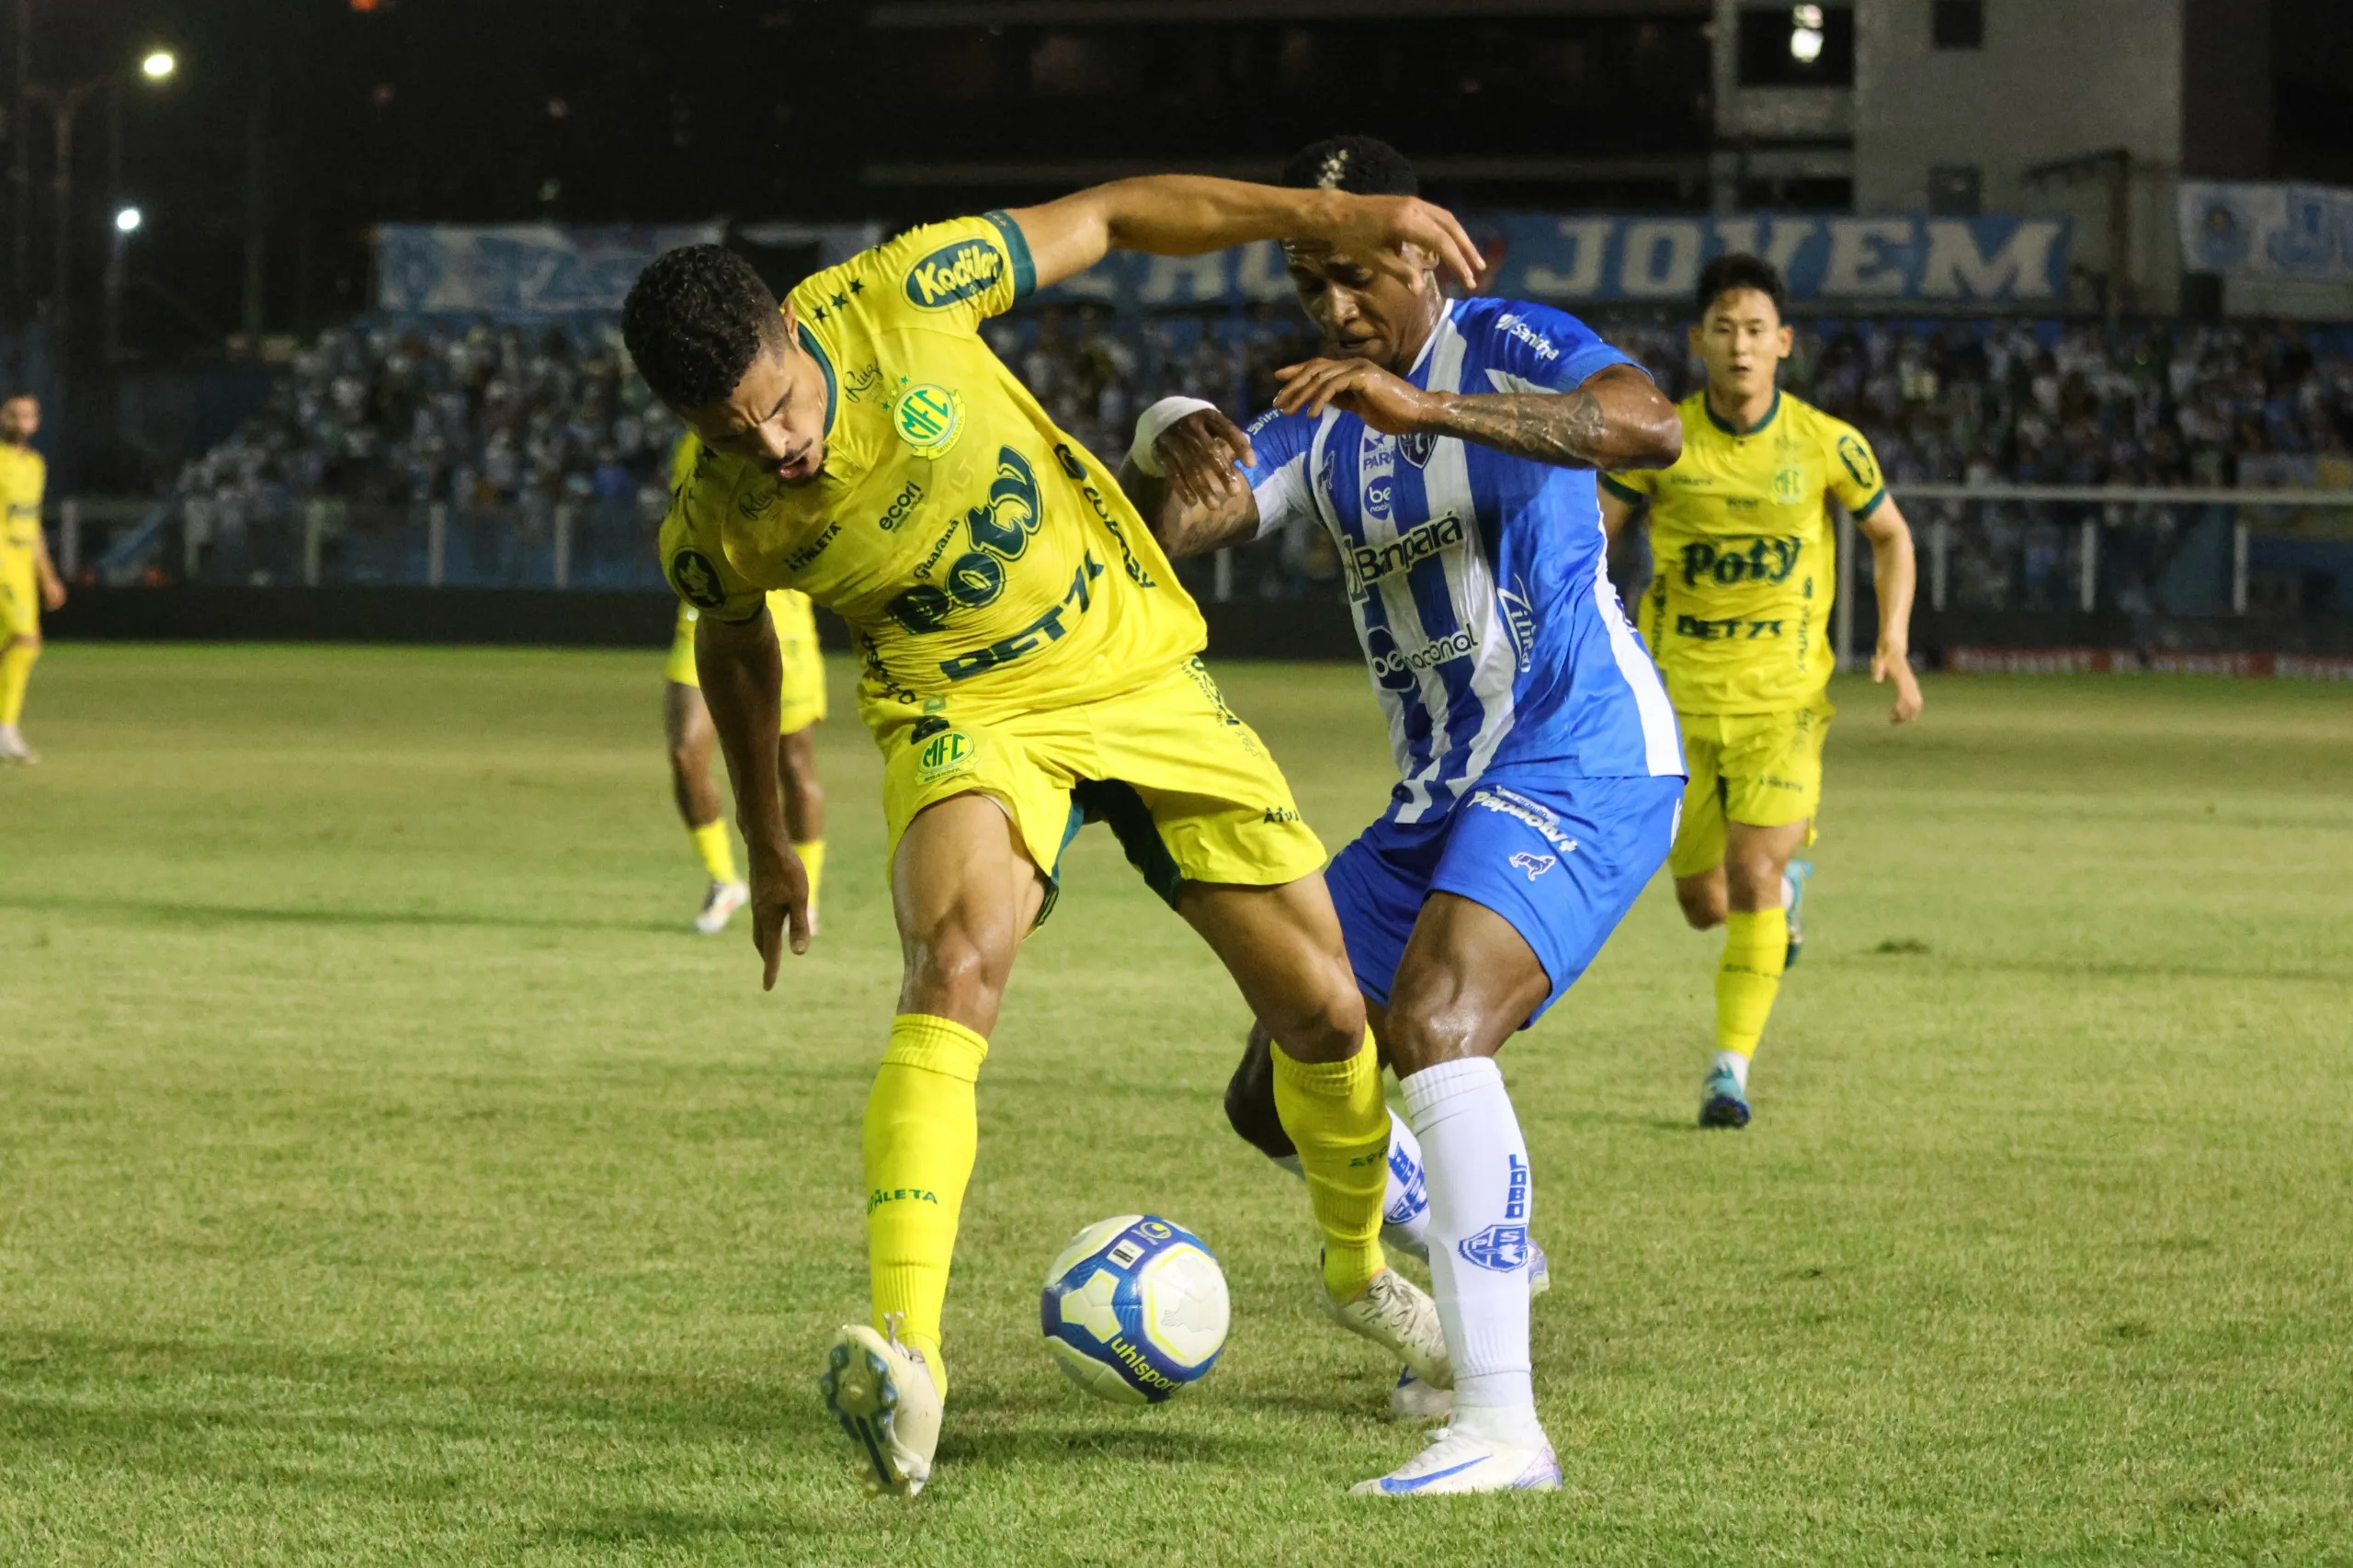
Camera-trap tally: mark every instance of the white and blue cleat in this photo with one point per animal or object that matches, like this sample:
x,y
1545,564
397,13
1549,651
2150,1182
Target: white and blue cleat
x,y
1456,1463
1724,1102
883,1394
1424,1404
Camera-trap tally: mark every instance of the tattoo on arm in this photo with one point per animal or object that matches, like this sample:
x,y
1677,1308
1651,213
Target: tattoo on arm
x,y
1193,530
1564,428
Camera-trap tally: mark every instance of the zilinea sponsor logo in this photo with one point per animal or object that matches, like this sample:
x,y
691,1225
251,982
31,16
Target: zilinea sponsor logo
x,y
1395,668
954,272
1533,864
1538,344
1371,562
1521,617
1497,798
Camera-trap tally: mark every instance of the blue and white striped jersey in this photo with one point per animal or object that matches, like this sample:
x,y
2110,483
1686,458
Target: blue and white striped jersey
x,y
1480,582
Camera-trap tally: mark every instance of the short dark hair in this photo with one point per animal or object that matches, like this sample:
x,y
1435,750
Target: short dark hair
x,y
694,321
1361,165
1737,269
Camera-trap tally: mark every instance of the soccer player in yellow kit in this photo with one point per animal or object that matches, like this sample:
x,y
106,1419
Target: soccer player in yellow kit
x,y
1738,615
1028,662
28,583
686,723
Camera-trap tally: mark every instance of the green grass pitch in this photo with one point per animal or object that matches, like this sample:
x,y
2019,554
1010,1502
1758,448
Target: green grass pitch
x,y
388,1174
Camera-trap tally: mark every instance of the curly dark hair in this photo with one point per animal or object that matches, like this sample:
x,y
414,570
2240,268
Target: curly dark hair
x,y
1361,165
694,321
1735,269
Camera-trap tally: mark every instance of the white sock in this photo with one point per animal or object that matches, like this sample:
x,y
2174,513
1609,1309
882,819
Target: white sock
x,y
1734,1062
1405,1207
1480,1205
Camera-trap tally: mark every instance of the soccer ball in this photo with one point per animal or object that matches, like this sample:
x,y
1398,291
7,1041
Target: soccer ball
x,y
1134,1309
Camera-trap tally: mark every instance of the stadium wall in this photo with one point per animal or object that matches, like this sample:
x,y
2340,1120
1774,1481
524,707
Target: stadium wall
x,y
1245,628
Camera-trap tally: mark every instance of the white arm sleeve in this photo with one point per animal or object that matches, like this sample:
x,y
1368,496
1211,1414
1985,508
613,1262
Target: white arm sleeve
x,y
1282,496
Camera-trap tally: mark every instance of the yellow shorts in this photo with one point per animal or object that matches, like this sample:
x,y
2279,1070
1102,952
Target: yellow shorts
x,y
20,604
1188,787
1764,769
804,698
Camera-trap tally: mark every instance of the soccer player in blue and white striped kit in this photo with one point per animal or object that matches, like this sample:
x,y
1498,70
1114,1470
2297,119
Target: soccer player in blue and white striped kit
x,y
1449,447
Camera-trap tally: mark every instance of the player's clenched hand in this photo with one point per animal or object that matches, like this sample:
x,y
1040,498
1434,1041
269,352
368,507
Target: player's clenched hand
x,y
1393,223
1199,452
1391,405
779,904
1888,664
53,594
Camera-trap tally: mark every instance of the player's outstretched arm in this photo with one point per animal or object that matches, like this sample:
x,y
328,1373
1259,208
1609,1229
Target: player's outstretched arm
x,y
1188,215
53,586
1199,501
1894,576
1615,418
743,676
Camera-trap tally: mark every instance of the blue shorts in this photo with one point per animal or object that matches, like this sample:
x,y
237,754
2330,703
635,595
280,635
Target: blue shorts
x,y
1562,859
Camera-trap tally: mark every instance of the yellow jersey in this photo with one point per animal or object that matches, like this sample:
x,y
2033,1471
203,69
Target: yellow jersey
x,y
787,609
975,550
23,478
1743,554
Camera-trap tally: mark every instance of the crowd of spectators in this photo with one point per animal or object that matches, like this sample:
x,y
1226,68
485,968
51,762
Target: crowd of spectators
x,y
487,418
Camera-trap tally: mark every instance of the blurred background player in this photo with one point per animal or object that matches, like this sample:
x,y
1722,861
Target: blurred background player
x,y
1738,616
685,722
1450,448
28,583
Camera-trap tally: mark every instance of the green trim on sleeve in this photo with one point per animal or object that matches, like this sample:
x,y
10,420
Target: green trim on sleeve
x,y
1868,507
1017,245
1624,492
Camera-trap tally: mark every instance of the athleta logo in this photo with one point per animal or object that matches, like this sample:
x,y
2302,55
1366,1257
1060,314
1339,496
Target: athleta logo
x,y
1495,798
1534,865
880,1196
1408,550
954,272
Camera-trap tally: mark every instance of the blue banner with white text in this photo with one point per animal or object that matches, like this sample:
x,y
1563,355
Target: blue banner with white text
x,y
2011,262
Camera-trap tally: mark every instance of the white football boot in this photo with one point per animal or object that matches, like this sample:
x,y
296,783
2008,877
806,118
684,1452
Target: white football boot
x,y
1394,1312
1456,1463
13,747
882,1392
719,906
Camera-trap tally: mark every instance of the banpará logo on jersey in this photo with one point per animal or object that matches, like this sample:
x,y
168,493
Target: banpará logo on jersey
x,y
1519,808
697,579
1371,562
1395,668
950,751
954,272
1858,458
1538,344
928,418
1789,486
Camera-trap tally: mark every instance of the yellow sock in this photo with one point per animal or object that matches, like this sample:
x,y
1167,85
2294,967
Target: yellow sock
x,y
813,860
15,670
718,854
922,1133
1755,946
1335,1113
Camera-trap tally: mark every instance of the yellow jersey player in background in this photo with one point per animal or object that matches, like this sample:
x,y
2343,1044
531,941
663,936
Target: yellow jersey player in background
x,y
686,723
28,584
1738,616
1028,662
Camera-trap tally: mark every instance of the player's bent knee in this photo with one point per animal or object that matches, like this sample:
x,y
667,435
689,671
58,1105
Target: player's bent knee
x,y
1250,1098
1326,1025
955,973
